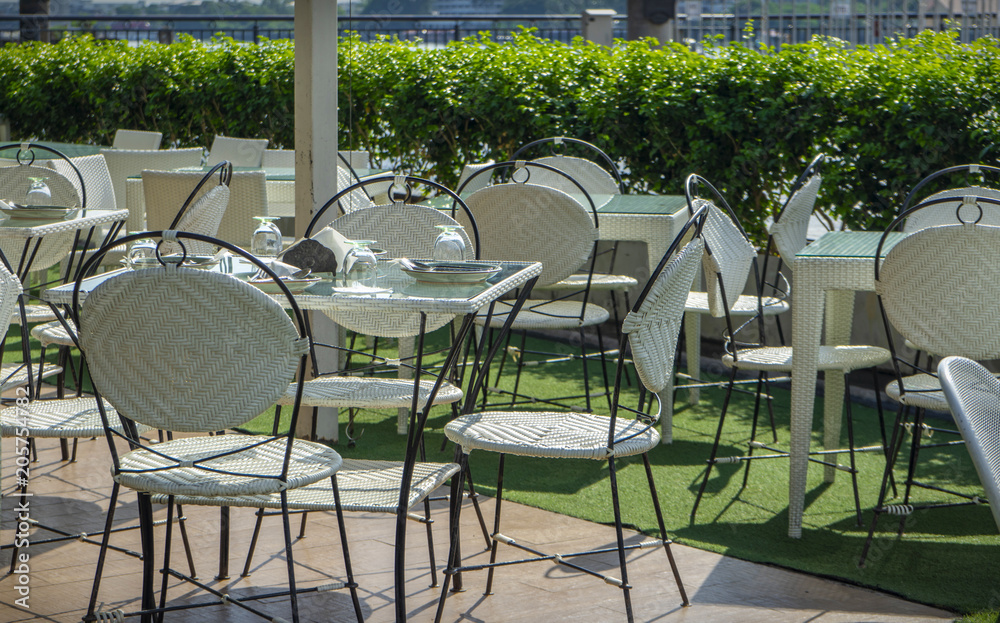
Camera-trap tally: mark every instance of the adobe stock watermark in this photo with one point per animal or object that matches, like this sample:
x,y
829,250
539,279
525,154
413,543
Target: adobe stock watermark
x,y
22,473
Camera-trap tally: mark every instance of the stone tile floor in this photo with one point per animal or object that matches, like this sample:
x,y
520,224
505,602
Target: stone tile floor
x,y
720,588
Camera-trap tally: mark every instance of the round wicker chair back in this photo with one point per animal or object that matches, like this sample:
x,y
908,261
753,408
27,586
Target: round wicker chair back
x,y
973,393
166,346
654,326
590,175
527,222
939,288
790,230
204,214
944,213
14,182
403,231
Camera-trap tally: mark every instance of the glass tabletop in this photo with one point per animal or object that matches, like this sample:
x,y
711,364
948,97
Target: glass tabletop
x,y
849,244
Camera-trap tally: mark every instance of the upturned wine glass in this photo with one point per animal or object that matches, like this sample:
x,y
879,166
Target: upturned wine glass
x,y
360,265
449,245
266,239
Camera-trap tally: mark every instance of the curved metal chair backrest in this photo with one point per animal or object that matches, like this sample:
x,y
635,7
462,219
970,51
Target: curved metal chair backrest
x,y
597,181
965,172
468,171
729,254
557,142
944,213
939,287
242,152
14,180
523,221
347,176
973,394
653,324
789,231
200,331
397,184
204,214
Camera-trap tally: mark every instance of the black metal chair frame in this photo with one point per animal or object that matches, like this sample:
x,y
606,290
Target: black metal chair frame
x,y
585,292
733,345
643,414
913,420
150,610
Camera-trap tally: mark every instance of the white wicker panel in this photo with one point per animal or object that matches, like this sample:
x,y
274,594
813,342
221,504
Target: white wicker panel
x,y
730,255
790,231
124,163
186,349
136,139
746,305
202,217
922,391
356,199
531,223
14,183
481,181
654,328
545,315
939,289
594,179
166,191
242,152
96,178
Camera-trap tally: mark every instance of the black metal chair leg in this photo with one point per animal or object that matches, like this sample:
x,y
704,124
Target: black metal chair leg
x,y
496,526
620,539
715,444
108,522
253,543
663,530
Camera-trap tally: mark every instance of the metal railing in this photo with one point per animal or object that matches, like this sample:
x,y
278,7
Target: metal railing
x,y
438,30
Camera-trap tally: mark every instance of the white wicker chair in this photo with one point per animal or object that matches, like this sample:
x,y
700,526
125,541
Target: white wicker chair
x,y
728,259
166,190
973,393
787,236
136,139
521,221
651,330
242,152
224,353
125,163
937,287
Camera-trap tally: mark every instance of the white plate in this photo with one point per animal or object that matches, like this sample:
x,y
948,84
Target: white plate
x,y
40,213
295,286
452,272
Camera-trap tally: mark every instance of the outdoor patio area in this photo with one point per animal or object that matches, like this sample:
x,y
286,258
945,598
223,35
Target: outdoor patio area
x,y
720,588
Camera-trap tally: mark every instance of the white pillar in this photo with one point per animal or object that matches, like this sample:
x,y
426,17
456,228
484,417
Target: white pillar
x,y
596,25
316,150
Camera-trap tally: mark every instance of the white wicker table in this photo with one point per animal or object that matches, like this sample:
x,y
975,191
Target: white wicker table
x,y
827,274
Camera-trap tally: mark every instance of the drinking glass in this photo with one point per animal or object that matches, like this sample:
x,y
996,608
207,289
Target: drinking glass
x,y
449,245
38,193
266,239
360,265
141,253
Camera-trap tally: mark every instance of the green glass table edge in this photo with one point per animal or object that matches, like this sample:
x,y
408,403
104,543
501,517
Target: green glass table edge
x,y
848,244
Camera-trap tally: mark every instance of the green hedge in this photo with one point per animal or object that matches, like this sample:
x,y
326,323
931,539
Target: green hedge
x,y
747,119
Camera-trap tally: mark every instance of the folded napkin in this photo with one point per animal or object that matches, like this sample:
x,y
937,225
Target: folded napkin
x,y
323,252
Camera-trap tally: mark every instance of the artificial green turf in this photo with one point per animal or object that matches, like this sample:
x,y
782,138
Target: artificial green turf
x,y
946,558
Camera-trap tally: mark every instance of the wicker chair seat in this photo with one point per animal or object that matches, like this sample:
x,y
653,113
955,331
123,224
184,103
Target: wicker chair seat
x,y
365,486
15,375
59,419
746,305
840,358
52,333
541,315
367,392
923,391
34,314
549,434
250,471
601,282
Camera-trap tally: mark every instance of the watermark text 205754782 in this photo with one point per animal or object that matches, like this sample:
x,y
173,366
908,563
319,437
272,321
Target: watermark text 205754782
x,y
22,449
